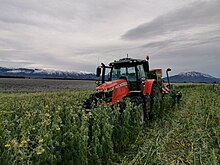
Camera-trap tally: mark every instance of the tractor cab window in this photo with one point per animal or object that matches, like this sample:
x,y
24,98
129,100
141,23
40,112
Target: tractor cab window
x,y
140,71
107,74
127,73
131,74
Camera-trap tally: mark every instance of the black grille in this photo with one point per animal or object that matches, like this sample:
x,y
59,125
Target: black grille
x,y
104,96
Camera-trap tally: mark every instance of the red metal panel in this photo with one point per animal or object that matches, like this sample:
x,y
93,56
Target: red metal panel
x,y
110,84
148,84
120,91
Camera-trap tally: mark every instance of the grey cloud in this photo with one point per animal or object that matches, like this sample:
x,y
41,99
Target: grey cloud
x,y
21,10
53,14
75,35
196,14
184,42
45,14
14,63
160,44
197,58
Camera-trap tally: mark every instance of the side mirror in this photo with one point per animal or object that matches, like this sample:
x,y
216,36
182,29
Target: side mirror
x,y
98,72
168,79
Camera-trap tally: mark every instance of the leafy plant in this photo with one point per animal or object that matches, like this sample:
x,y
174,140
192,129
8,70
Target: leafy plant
x,y
53,128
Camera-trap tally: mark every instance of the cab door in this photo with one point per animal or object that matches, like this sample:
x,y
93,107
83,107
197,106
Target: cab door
x,y
141,76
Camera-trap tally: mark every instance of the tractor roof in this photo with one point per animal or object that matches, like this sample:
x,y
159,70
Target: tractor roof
x,y
125,61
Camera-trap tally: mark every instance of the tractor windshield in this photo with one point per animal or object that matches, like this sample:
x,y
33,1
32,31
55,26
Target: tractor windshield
x,y
127,73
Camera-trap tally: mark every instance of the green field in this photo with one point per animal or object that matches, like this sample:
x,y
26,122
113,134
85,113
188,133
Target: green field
x,y
52,128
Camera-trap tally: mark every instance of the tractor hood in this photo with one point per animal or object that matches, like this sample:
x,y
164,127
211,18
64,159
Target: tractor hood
x,y
108,85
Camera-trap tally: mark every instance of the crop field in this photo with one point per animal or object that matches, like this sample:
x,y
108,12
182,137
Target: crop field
x,y
53,128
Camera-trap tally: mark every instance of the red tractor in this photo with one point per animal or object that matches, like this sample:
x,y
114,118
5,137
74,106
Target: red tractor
x,y
127,78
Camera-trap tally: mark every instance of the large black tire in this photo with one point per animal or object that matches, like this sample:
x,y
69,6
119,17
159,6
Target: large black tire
x,y
155,94
147,108
138,101
155,91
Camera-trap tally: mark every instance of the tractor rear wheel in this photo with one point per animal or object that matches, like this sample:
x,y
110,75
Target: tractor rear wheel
x,y
154,96
155,91
147,108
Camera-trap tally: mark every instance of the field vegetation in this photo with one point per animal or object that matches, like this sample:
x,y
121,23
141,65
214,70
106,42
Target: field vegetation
x,y
53,128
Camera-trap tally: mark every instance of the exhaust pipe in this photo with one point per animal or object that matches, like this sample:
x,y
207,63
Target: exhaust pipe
x,y
168,79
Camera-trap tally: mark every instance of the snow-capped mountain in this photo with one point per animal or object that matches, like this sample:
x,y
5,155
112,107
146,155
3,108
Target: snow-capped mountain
x,y
43,73
193,77
195,74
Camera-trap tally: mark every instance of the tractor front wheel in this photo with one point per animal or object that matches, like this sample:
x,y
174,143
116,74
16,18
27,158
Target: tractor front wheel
x,y
138,101
147,108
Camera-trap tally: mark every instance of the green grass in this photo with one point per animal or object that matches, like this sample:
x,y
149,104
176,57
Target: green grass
x,y
189,133
52,128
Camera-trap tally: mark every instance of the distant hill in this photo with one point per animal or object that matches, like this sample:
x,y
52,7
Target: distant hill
x,y
195,77
43,73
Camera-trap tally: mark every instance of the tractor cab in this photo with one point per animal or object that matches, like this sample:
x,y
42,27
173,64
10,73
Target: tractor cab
x,y
134,71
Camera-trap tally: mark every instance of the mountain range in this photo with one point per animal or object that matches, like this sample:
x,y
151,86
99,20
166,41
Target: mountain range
x,y
195,77
43,73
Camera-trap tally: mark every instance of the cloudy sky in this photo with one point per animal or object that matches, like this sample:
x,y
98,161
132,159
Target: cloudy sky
x,y
79,34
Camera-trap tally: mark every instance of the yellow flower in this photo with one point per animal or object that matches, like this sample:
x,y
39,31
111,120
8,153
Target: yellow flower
x,y
34,112
59,108
46,106
40,140
28,114
7,145
40,151
47,115
47,122
23,143
13,141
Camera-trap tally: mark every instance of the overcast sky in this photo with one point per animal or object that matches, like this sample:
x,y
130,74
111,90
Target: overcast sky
x,y
79,34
